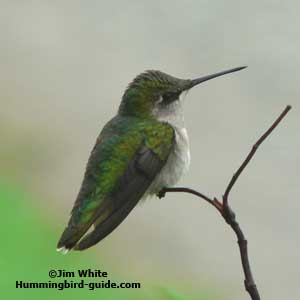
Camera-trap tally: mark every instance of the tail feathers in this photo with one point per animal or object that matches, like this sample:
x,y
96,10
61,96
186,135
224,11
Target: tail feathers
x,y
63,250
105,226
69,238
98,234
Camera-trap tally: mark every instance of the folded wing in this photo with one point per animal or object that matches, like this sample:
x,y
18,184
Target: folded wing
x,y
120,170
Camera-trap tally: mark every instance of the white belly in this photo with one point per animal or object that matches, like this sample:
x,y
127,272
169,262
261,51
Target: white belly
x,y
176,165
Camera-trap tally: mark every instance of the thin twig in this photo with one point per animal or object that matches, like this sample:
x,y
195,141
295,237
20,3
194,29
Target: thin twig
x,y
214,202
228,214
252,152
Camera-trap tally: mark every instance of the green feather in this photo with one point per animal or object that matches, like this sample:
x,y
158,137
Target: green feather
x,y
115,148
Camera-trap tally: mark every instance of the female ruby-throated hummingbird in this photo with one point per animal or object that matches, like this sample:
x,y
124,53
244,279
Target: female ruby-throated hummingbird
x,y
143,149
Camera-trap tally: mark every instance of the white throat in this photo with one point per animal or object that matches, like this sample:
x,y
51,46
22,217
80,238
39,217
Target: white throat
x,y
171,113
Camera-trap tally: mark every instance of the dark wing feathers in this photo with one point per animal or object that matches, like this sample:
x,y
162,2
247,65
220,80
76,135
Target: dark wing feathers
x,y
123,164
131,187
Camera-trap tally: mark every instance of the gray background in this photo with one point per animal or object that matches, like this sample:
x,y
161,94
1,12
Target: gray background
x,y
64,67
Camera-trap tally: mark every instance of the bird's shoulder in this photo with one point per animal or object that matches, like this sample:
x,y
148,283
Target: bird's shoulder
x,y
126,134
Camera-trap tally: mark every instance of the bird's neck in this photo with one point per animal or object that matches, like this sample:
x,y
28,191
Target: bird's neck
x,y
172,114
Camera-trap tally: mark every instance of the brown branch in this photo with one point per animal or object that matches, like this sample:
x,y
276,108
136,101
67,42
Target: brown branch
x,y
214,202
252,152
228,214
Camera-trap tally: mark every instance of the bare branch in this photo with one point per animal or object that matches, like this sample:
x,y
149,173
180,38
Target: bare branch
x,y
228,214
214,202
251,154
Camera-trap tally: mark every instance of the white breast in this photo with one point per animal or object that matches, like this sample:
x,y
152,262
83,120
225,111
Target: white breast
x,y
177,164
179,159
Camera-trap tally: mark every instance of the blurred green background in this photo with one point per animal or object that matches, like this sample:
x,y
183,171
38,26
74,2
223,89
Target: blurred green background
x,y
64,67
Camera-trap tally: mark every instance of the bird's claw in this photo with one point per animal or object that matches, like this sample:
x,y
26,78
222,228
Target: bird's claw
x,y
161,193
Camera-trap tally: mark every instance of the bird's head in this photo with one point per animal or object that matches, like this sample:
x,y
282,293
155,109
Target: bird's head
x,y
154,91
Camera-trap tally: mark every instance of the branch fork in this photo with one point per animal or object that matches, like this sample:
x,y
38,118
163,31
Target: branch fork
x,y
228,214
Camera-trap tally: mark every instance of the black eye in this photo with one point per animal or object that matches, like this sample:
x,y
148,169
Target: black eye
x,y
170,97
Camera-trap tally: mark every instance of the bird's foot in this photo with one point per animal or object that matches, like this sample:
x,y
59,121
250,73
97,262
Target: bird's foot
x,y
161,193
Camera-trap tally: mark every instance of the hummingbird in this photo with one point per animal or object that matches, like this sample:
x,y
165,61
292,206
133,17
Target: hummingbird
x,y
140,151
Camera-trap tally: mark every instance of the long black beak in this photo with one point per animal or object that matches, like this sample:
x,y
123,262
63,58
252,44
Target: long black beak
x,y
208,77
